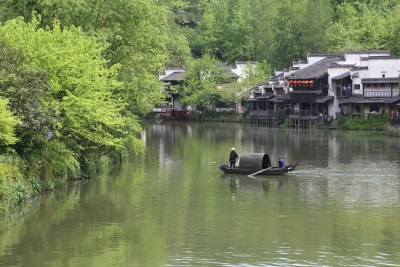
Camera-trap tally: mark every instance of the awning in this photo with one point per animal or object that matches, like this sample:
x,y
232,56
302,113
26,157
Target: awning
x,y
350,100
342,76
380,80
265,96
364,100
279,98
324,99
393,100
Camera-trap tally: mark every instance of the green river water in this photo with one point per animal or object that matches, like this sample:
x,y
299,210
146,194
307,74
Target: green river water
x,y
172,206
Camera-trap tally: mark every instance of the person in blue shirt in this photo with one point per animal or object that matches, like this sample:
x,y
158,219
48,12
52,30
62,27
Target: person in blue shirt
x,y
281,162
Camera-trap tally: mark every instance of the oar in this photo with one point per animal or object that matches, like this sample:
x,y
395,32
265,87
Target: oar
x,y
263,170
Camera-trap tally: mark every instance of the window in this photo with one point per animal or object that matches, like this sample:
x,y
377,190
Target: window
x,y
374,108
357,87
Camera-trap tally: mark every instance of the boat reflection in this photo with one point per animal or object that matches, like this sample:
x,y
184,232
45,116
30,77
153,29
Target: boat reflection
x,y
265,183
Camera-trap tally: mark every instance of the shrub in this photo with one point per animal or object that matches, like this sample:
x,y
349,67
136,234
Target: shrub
x,y
373,122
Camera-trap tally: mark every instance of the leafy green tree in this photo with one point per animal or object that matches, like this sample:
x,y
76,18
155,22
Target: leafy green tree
x,y
358,27
255,74
136,33
392,32
227,30
28,94
317,17
93,115
287,33
8,122
202,78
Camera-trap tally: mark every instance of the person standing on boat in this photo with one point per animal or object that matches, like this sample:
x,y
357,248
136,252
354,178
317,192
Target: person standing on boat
x,y
281,162
233,156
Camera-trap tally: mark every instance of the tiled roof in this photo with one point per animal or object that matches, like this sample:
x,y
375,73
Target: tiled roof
x,y
356,52
326,55
393,100
380,80
324,99
341,76
315,71
175,76
380,57
360,68
364,100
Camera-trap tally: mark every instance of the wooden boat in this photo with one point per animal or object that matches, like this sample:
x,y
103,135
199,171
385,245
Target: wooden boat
x,y
257,164
175,114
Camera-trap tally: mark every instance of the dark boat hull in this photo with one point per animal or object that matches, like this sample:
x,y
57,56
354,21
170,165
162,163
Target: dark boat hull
x,y
175,115
270,171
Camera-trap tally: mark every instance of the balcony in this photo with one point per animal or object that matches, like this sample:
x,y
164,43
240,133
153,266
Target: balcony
x,y
379,93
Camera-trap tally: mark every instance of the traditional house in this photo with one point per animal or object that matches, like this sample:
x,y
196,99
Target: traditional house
x,y
309,91
175,76
171,77
328,86
369,85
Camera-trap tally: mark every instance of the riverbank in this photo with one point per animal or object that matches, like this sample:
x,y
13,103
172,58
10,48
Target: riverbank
x,y
375,123
20,182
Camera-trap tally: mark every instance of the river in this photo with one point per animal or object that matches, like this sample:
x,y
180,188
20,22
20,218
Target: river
x,y
172,206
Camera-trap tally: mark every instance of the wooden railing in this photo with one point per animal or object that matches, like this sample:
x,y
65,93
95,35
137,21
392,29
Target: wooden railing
x,y
304,113
379,93
262,113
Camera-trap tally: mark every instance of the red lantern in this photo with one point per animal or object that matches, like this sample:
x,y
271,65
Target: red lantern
x,y
312,82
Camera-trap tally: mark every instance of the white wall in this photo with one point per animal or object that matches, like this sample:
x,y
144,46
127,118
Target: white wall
x,y
240,69
390,67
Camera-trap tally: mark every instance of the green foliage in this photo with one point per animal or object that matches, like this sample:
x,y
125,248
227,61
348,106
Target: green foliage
x,y
201,79
52,162
280,116
8,122
84,87
28,95
136,33
358,26
374,122
215,116
392,32
254,75
13,186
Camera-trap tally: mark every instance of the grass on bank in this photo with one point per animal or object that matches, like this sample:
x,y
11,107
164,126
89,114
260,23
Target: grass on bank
x,y
373,122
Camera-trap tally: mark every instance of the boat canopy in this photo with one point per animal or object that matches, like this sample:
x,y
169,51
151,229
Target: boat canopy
x,y
254,161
